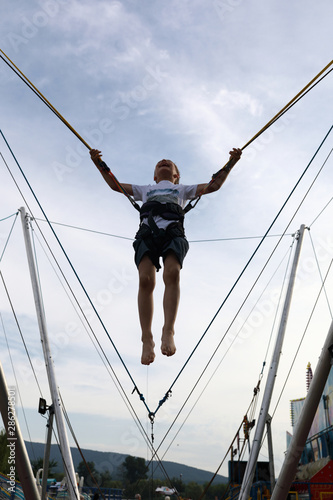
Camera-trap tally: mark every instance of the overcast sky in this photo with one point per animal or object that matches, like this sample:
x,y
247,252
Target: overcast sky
x,y
187,81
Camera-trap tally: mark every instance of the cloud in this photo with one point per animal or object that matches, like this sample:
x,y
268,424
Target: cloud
x,y
142,82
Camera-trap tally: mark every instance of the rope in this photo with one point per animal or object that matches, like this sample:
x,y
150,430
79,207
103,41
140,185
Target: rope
x,y
214,352
12,307
170,389
20,331
8,216
243,271
253,403
17,385
298,96
79,280
144,434
8,238
322,280
103,233
286,108
289,105
78,446
315,219
32,87
279,301
105,361
301,341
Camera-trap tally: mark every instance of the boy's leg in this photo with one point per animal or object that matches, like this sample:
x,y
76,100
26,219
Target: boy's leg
x,y
171,277
147,277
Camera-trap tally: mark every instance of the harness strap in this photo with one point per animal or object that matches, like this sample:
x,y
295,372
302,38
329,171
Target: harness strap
x,y
168,211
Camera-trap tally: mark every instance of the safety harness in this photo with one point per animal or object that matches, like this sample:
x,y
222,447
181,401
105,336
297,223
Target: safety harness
x,y
156,238
168,211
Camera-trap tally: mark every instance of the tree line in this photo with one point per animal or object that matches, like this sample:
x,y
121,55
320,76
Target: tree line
x,y
132,477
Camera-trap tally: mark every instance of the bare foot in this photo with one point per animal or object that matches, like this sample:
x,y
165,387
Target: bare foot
x,y
168,347
148,354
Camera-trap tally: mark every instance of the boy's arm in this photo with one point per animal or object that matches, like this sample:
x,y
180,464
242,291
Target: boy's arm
x,y
221,175
96,157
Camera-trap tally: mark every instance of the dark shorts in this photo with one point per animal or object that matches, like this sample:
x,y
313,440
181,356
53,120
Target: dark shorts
x,y
156,248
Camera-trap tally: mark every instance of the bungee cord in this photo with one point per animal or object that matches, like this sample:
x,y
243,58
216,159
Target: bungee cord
x,y
129,407
285,109
169,391
106,363
295,99
160,444
225,354
78,279
322,289
32,87
137,420
215,351
291,102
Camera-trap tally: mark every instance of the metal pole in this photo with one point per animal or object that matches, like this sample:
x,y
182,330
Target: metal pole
x,y
18,459
270,452
47,452
56,402
251,464
305,420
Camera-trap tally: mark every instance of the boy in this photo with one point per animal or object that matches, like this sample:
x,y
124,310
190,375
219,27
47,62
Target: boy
x,y
161,234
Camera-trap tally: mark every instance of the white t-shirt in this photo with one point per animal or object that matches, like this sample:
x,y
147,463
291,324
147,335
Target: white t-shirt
x,y
164,192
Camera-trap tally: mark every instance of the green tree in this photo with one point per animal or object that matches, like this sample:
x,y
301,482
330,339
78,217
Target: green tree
x,y
134,469
146,488
38,464
107,481
177,483
4,452
89,473
193,490
216,491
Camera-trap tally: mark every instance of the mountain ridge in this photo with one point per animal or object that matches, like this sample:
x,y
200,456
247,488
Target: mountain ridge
x,y
111,461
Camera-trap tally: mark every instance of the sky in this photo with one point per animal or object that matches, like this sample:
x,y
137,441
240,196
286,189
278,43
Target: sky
x,y
143,81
